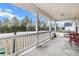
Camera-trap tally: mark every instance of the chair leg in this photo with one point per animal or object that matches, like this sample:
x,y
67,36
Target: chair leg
x,y
77,44
70,43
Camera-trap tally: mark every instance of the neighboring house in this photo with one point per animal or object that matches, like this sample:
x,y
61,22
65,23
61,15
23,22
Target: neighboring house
x,y
70,26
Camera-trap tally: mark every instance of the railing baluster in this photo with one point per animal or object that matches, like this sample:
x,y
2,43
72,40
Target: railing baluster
x,y
22,42
16,44
29,39
25,41
19,43
6,47
32,38
10,41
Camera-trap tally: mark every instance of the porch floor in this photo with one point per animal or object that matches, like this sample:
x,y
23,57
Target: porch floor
x,y
55,47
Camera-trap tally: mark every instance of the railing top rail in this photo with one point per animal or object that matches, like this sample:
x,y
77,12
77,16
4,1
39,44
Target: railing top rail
x,y
20,35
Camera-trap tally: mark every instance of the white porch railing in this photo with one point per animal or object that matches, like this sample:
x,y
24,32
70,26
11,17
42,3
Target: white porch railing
x,y
14,45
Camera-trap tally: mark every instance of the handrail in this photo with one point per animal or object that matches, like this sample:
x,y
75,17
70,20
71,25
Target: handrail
x,y
22,35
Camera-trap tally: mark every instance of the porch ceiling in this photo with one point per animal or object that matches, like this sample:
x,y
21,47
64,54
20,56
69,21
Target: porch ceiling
x,y
58,11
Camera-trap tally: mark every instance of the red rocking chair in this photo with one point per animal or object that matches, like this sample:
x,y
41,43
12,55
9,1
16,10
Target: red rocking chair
x,y
74,38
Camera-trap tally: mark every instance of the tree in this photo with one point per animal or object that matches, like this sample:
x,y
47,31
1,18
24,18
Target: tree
x,y
0,23
6,24
15,21
31,27
30,22
43,25
39,25
15,24
0,26
26,22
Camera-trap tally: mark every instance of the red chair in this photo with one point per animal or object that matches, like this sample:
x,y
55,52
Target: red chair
x,y
77,41
73,38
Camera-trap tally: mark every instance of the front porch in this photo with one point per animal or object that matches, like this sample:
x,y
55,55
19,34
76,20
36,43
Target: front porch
x,y
28,43
55,47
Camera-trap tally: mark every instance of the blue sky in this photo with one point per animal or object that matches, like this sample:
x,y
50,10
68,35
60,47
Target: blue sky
x,y
9,10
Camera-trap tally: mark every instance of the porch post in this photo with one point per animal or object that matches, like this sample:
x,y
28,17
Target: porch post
x,y
50,28
55,27
77,26
37,28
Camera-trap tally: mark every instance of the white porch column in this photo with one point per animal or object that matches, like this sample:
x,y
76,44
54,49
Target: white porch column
x,y
55,27
74,25
37,21
77,25
50,28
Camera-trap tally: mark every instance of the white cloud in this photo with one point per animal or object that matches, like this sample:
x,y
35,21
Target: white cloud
x,y
0,9
8,10
6,13
20,18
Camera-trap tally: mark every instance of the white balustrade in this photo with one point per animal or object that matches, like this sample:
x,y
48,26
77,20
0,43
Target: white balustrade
x,y
14,44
